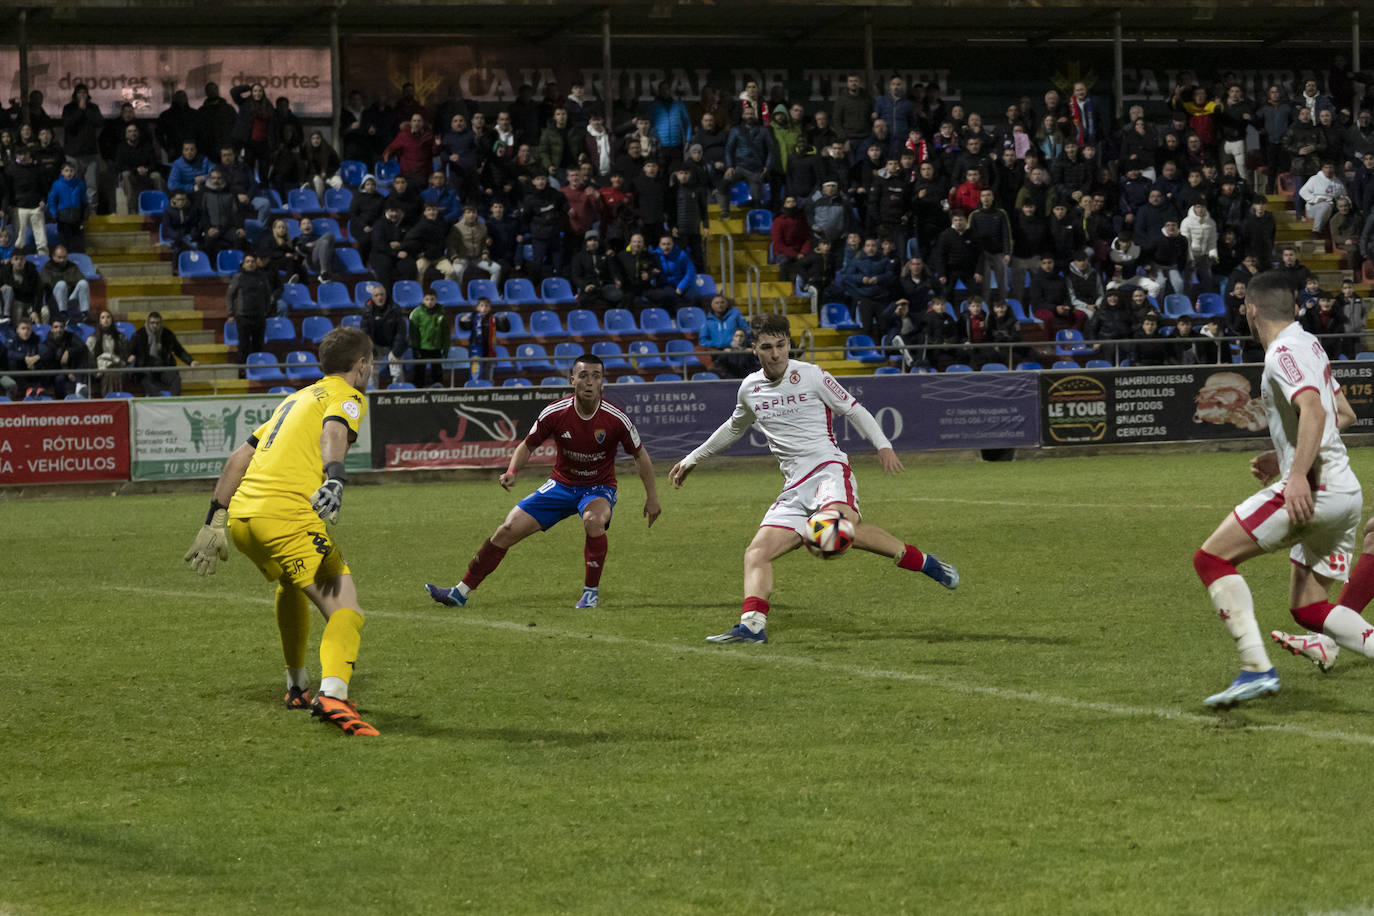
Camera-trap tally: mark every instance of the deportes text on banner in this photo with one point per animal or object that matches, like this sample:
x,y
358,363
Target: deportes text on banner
x,y
64,442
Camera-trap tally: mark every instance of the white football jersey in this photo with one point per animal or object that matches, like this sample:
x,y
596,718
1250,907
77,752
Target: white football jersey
x,y
1294,362
797,416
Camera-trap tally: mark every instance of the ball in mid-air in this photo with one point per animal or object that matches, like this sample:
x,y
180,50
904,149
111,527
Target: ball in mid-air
x,y
828,534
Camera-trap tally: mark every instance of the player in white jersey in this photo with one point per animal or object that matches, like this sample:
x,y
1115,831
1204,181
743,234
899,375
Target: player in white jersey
x,y
795,404
1313,508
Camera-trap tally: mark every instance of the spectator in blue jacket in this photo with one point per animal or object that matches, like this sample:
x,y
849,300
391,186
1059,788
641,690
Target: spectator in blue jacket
x,y
67,204
440,194
898,111
675,276
867,279
749,153
721,324
189,171
25,354
671,122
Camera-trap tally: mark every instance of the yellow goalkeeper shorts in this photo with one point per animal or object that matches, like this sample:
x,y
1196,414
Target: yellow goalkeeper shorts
x,y
283,547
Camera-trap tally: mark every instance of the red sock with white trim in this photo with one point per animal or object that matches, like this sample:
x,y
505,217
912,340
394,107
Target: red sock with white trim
x,y
488,557
754,613
1236,608
911,559
594,554
1360,589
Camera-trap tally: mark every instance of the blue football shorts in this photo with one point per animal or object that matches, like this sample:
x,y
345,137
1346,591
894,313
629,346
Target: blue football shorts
x,y
555,501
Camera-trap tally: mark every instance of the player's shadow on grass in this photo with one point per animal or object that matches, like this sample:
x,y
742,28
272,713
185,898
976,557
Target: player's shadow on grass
x,y
96,846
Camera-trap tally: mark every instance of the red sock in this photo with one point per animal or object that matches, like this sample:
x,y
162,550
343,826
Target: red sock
x,y
912,559
1211,567
488,557
595,555
755,604
1360,588
1312,615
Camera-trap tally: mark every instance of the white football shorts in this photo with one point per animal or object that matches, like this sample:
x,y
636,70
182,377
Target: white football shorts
x,y
832,482
1325,544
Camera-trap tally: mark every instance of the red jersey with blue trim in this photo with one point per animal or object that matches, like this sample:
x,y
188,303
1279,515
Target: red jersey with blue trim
x,y
586,445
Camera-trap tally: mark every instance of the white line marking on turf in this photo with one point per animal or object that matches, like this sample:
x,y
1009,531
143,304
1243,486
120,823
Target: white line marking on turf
x,y
1055,504
765,656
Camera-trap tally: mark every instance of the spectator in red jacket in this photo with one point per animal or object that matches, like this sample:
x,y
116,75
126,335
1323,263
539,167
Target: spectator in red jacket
x,y
966,196
791,238
414,149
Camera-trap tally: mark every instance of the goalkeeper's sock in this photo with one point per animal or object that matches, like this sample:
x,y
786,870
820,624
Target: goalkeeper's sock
x,y
483,564
339,651
293,621
1236,608
1348,629
594,554
1360,589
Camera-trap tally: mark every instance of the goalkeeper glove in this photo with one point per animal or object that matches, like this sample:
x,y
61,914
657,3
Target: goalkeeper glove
x,y
212,541
328,499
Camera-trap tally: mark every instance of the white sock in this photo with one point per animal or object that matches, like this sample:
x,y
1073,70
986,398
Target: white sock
x,y
335,687
753,621
297,677
1350,630
463,589
1231,597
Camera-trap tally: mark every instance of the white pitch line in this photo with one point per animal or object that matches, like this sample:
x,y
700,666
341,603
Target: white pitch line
x,y
769,657
1055,504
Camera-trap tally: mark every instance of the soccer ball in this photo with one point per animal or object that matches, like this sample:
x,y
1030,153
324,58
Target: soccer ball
x,y
828,534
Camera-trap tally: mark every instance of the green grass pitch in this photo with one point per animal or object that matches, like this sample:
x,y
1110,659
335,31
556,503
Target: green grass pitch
x,y
1032,743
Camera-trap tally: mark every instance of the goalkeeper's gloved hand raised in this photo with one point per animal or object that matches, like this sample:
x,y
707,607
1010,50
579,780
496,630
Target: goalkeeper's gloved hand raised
x,y
212,541
329,497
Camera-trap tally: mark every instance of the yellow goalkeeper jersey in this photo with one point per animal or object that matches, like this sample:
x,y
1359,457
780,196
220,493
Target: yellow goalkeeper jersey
x,y
287,467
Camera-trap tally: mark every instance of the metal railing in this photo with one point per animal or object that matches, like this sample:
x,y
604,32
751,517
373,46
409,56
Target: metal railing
x,y
753,290
726,245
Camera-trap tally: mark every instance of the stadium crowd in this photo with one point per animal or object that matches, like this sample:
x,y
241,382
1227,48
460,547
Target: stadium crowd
x,y
932,225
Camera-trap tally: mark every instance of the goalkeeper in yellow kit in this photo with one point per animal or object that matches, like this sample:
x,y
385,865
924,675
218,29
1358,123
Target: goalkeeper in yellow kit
x,y
271,500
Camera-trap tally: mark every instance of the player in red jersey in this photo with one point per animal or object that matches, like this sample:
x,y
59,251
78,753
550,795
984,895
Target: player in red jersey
x,y
586,432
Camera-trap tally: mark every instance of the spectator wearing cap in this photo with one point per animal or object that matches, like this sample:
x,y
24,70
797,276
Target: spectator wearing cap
x,y
413,148
827,212
390,259
1084,282
364,212
405,195
595,274
222,216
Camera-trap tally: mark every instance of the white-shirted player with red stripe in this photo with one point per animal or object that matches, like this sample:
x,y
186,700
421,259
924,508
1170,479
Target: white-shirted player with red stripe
x,y
1313,506
795,404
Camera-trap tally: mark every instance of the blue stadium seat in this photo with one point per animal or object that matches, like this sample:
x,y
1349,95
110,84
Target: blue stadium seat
x,y
302,366
545,323
958,367
758,222
401,386
194,264
260,368
516,381
479,383
296,296
334,295
407,293
628,380
557,291
1020,312
656,321
281,389
704,376
682,353
620,321
231,333
1176,305
862,348
887,370
691,318
279,330
521,292
337,200
913,248
836,315
351,321
1364,355
448,293
739,194
1070,343
480,288
386,173
645,355
671,376
990,367
84,262
583,323
228,262
610,354
503,362
352,172
1211,304
553,380
151,203
126,328
565,353
517,326
1028,365
362,292
457,359
532,357
705,286
118,394
328,225
254,229
351,262
1098,364
303,201
1065,364
314,327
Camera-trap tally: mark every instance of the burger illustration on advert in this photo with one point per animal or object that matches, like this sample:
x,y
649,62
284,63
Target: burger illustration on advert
x,y
1225,398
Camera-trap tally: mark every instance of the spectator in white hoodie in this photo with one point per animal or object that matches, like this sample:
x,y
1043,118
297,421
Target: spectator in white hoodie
x,y
1319,193
1200,230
